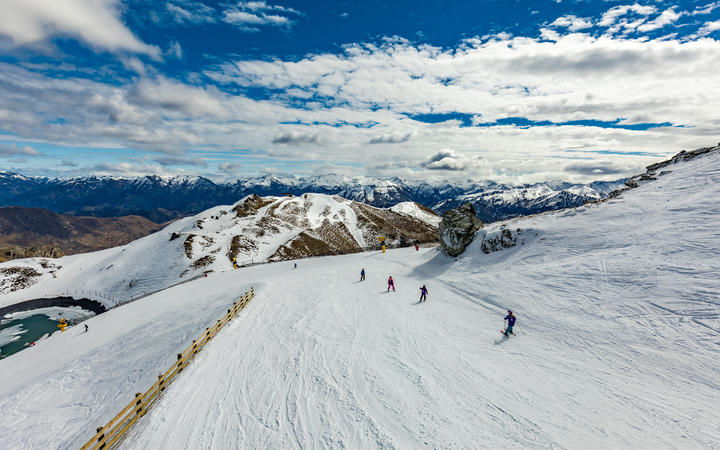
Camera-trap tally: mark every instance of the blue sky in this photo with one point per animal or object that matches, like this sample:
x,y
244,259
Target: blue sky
x,y
513,91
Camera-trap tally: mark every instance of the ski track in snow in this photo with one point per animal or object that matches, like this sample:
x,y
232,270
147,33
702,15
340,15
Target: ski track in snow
x,y
618,346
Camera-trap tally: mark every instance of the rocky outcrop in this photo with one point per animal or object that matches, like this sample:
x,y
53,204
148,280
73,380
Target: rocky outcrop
x,y
250,206
499,240
458,228
41,251
652,173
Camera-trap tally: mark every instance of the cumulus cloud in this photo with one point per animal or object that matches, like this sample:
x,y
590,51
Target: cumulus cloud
x,y
708,28
707,9
175,96
8,150
122,167
392,138
248,15
95,22
667,17
68,163
189,12
180,161
174,50
230,168
572,23
446,160
613,15
295,137
597,168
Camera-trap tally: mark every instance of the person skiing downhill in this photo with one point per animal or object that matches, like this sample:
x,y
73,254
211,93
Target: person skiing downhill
x,y
511,323
391,284
423,293
362,275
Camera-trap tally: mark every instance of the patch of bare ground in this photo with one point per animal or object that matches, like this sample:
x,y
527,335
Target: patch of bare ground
x,y
328,239
203,262
16,278
206,242
239,244
188,245
250,205
392,225
293,214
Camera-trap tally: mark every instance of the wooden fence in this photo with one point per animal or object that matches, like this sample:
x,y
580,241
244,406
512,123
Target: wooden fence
x,y
110,435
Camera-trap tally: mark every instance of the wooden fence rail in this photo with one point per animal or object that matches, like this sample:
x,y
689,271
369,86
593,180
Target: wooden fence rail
x,y
113,432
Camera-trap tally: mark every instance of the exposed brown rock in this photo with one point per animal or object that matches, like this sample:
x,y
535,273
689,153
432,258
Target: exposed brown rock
x,y
188,245
241,243
202,262
392,225
251,205
16,278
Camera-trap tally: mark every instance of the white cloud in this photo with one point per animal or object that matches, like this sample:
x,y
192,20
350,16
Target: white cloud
x,y
572,23
96,22
7,150
708,28
190,12
174,50
231,168
667,17
181,161
365,94
447,159
178,97
390,138
612,15
293,137
707,9
248,15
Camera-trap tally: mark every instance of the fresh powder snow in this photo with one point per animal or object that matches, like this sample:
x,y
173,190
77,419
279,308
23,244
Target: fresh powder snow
x,y
617,346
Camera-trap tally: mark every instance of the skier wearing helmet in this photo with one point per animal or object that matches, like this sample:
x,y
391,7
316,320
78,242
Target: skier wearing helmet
x,y
511,323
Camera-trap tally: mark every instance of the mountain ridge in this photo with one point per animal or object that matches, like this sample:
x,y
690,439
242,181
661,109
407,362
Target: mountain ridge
x,y
161,199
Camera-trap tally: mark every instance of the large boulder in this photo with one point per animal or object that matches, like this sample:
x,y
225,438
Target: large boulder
x,y
458,228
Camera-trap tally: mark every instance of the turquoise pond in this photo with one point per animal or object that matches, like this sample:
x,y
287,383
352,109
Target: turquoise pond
x,y
27,329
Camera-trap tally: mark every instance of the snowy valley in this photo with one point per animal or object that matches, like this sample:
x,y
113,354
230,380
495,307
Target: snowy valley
x,y
617,346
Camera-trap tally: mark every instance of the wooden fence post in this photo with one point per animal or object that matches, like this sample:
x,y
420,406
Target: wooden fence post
x,y
101,437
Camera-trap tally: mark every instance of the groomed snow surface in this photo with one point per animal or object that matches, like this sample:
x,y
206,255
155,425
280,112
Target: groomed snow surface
x,y
618,344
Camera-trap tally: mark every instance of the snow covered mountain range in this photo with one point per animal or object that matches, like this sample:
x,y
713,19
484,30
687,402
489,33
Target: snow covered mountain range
x,y
254,230
165,198
617,344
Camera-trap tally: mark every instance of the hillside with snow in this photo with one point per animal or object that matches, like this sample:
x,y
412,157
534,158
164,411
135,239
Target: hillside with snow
x,y
617,346
254,230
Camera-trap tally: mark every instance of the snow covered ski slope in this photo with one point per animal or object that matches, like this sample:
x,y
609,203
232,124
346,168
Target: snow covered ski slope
x,y
620,341
618,346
